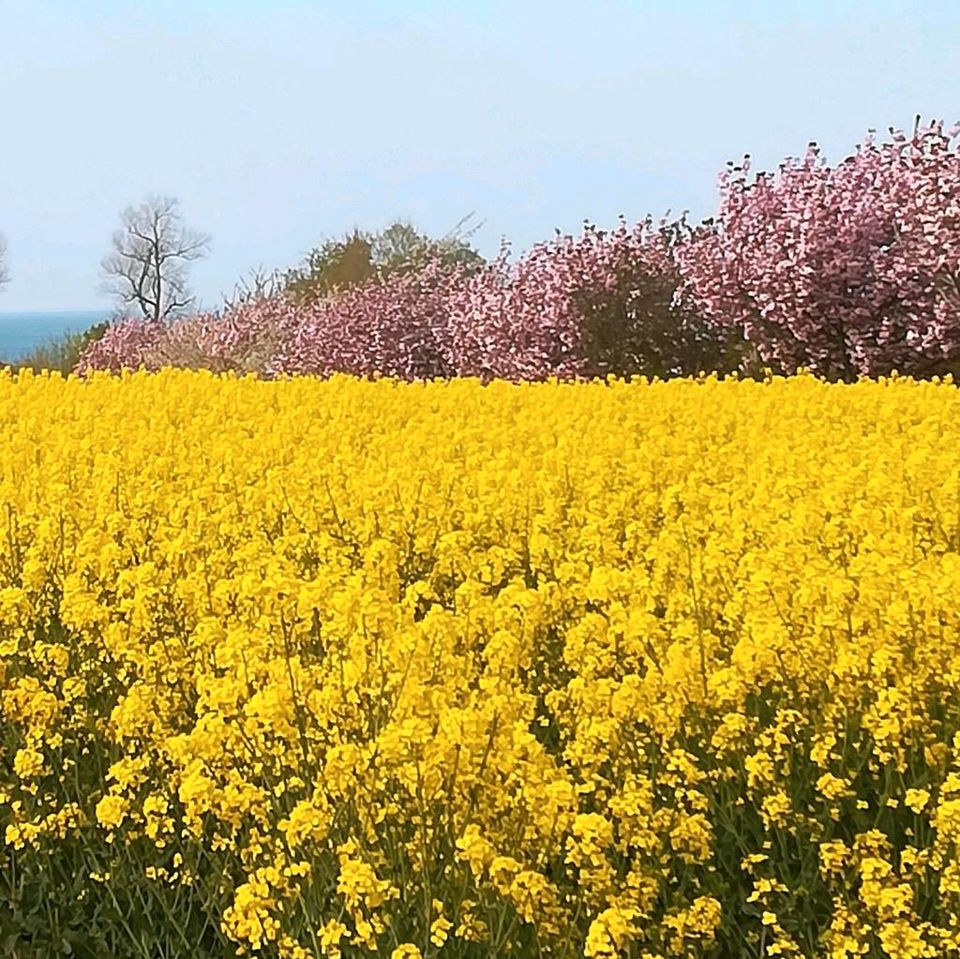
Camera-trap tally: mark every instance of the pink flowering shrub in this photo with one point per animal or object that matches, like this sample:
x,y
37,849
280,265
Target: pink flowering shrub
x,y
848,269
243,339
124,345
604,302
601,303
397,327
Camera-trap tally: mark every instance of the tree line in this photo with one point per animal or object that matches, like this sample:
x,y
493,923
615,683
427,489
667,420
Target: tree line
x,y
846,269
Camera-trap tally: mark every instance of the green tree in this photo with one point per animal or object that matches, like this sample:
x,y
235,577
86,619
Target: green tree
x,y
360,257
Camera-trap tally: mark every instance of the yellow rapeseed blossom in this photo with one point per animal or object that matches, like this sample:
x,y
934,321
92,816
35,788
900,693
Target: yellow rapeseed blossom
x,y
355,668
406,951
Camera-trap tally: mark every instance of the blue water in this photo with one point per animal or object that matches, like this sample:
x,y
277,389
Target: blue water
x,y
22,332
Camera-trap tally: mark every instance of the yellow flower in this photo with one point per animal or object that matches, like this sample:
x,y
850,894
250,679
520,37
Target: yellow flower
x,y
305,634
329,938
29,763
406,951
832,786
111,810
917,799
609,933
439,930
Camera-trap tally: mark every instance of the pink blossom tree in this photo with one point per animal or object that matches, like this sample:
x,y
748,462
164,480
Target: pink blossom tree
x,y
847,270
396,326
604,302
126,344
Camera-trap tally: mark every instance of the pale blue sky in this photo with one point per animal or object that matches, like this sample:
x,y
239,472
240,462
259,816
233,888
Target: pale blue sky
x,y
278,123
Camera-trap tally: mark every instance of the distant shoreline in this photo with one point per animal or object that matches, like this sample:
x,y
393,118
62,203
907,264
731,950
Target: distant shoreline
x,y
22,331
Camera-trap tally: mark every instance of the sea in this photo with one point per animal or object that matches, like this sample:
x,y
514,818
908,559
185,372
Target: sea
x,y
21,332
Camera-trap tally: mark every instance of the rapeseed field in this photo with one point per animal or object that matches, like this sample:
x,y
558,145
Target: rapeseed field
x,y
357,668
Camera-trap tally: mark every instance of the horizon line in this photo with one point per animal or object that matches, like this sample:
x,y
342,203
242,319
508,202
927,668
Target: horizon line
x,y
25,312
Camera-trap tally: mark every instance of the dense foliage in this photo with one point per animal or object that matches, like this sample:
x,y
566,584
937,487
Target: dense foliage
x,y
321,668
846,270
361,257
604,302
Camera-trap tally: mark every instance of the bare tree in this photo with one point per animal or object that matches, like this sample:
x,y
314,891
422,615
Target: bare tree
x,y
256,286
150,259
4,273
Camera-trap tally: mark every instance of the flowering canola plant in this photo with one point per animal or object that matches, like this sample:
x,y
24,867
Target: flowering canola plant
x,y
351,668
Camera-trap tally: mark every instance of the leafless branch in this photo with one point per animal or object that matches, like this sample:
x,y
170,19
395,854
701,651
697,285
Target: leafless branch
x,y
259,284
148,265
